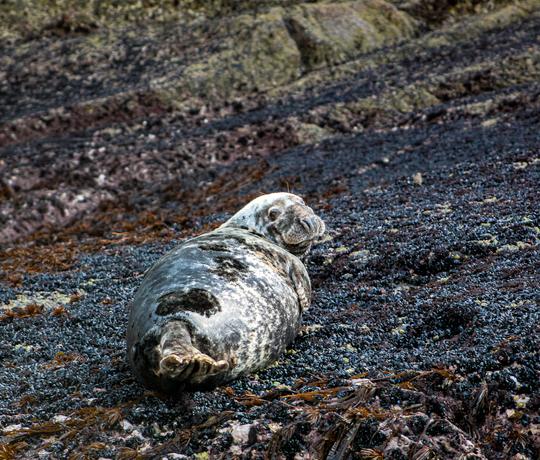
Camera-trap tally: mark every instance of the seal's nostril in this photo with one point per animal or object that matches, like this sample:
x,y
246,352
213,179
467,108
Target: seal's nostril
x,y
308,224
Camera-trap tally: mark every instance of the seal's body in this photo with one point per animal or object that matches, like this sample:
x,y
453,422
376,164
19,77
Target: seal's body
x,y
227,302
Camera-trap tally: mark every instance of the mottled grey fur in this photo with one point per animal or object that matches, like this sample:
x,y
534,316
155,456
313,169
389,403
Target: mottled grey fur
x,y
227,302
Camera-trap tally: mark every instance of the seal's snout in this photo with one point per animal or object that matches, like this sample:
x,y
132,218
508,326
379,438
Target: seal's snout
x,y
313,226
309,224
299,227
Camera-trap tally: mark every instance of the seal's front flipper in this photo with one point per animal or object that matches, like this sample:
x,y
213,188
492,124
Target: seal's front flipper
x,y
301,284
179,360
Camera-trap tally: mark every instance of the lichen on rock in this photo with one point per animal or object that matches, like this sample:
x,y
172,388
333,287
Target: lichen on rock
x,y
330,33
261,55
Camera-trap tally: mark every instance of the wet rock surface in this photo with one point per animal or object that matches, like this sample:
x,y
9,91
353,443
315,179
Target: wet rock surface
x,y
421,151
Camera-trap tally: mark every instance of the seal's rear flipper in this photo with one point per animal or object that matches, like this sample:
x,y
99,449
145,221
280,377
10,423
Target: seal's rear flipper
x,y
194,368
179,360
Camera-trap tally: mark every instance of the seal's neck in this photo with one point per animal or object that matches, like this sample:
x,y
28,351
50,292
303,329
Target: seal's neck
x,y
249,221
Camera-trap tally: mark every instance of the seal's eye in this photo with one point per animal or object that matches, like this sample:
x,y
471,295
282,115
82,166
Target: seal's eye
x,y
273,213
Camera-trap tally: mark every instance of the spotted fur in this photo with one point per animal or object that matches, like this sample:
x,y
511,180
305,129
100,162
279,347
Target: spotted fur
x,y
227,302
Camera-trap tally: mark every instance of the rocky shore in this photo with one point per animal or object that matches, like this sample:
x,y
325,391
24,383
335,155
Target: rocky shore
x,y
412,127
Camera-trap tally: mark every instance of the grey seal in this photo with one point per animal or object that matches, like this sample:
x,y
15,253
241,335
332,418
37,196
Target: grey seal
x,y
225,303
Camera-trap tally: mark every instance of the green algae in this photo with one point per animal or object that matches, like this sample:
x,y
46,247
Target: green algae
x,y
30,19
49,300
335,32
262,56
281,50
449,35
488,75
276,47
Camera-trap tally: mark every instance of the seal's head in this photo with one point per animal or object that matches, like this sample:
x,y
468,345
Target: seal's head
x,y
284,219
